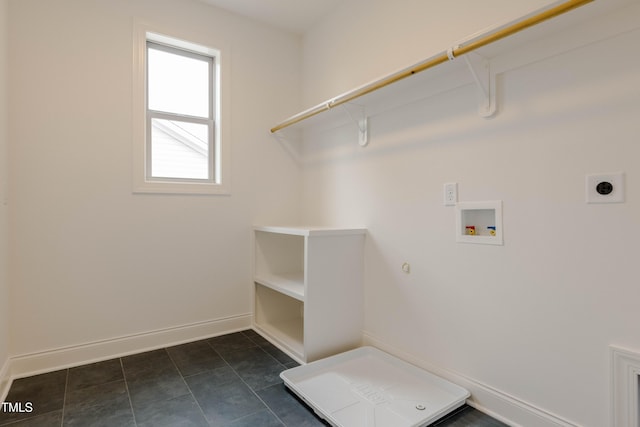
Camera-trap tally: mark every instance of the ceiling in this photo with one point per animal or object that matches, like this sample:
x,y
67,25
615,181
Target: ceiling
x,y
292,15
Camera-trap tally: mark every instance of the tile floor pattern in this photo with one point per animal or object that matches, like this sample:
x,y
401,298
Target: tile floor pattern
x,y
228,381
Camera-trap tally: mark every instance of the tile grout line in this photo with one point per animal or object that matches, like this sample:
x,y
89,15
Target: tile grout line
x,y
193,396
266,405
244,382
64,397
255,391
126,387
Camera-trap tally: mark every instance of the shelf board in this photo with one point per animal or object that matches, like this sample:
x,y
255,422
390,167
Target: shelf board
x,y
311,230
290,284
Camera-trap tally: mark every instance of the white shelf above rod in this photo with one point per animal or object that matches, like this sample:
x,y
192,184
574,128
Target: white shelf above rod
x,y
482,74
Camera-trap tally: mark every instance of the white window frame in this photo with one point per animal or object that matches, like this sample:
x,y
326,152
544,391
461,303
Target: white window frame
x,y
220,154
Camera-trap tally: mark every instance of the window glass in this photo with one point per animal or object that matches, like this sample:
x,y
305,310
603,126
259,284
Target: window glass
x,y
180,131
177,83
179,150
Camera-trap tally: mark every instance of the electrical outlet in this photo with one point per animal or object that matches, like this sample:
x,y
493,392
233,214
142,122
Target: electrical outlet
x,y
450,194
605,188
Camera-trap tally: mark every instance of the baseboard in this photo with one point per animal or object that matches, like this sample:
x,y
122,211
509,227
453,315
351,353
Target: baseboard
x,y
625,387
5,380
498,404
62,358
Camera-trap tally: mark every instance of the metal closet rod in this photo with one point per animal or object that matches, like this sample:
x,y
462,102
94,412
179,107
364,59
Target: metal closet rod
x,y
433,61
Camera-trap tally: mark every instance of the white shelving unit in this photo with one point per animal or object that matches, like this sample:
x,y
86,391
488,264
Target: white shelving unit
x,y
308,289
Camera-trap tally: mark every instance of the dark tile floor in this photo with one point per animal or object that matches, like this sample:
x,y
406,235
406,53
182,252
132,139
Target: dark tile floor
x,y
227,381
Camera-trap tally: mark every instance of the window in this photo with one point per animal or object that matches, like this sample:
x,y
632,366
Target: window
x,y
178,145
179,114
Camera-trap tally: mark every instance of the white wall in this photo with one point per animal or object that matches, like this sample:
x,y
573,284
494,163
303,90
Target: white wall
x,y
4,284
91,261
526,325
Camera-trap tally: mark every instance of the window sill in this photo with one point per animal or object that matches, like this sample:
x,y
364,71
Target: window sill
x,y
181,188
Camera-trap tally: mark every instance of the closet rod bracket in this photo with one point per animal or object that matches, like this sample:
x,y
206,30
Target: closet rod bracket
x,y
363,131
485,80
361,122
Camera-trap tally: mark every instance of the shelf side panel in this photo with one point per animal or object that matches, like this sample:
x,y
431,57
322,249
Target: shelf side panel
x,y
334,295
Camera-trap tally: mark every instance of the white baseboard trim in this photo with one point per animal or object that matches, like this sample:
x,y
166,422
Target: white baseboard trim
x,y
61,358
498,404
625,387
5,380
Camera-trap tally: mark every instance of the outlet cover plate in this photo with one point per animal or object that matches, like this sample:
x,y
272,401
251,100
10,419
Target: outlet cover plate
x,y
450,193
616,194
